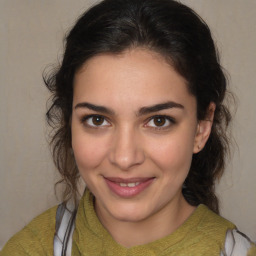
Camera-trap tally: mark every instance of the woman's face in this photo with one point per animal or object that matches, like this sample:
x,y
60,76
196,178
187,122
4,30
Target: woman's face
x,y
134,130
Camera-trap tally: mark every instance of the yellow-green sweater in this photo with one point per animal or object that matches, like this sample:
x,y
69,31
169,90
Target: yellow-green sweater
x,y
203,233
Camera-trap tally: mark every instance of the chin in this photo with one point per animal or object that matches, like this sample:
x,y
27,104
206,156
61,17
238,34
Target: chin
x,y
129,213
129,218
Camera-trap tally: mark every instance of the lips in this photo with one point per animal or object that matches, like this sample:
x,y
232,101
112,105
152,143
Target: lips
x,y
128,188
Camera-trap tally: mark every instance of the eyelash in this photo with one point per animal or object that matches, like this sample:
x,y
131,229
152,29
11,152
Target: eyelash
x,y
85,120
164,126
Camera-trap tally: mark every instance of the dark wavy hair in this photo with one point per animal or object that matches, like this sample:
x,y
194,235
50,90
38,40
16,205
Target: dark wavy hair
x,y
181,37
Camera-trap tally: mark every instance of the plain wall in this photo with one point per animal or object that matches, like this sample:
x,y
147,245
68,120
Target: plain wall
x,y
31,35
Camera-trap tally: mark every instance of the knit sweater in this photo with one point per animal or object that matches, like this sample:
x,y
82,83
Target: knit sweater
x,y
203,233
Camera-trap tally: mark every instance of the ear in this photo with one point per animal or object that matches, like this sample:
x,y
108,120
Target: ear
x,y
204,128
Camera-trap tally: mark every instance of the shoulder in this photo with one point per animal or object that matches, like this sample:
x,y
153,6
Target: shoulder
x,y
211,229
223,232
34,239
212,221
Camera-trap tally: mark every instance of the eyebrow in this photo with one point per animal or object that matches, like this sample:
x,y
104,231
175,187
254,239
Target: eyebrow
x,y
95,108
142,111
158,107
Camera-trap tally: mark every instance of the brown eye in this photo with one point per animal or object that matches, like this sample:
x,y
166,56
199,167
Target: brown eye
x,y
159,121
97,120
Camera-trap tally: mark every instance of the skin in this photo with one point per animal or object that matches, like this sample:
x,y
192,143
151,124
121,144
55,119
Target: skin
x,y
127,141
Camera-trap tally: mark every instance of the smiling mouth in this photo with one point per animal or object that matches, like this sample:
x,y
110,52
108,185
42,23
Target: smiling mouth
x,y
128,188
130,185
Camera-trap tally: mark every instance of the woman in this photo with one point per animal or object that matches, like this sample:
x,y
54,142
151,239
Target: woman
x,y
138,114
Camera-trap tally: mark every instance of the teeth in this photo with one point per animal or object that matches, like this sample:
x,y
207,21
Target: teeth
x,y
130,185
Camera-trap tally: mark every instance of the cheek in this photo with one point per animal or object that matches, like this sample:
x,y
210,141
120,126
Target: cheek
x,y
173,154
88,152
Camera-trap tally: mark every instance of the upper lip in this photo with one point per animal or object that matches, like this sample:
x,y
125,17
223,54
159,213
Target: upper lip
x,y
128,180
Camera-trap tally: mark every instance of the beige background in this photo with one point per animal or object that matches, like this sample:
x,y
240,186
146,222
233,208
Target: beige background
x,y
31,33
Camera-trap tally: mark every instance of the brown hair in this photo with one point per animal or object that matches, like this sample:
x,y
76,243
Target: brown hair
x,y
177,33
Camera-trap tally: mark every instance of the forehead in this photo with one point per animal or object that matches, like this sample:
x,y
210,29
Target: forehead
x,y
136,76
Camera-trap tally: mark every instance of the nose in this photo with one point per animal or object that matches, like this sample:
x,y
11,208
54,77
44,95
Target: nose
x,y
127,149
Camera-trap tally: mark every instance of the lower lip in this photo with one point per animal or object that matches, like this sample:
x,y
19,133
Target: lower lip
x,y
128,192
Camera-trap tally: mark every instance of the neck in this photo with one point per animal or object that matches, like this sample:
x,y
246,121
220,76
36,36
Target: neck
x,y
162,223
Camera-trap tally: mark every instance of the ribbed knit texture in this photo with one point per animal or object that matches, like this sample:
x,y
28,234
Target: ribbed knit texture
x,y
202,234
36,239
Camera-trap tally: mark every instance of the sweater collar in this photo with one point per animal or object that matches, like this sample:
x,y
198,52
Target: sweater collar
x,y
91,238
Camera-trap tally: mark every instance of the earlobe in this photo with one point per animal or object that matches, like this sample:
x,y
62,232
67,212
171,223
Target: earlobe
x,y
204,128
